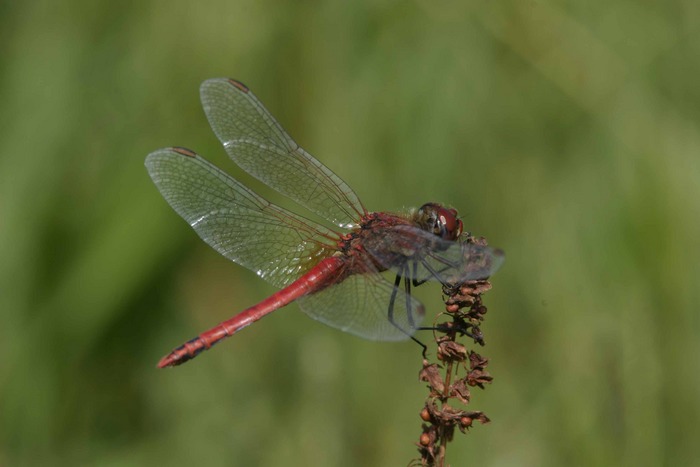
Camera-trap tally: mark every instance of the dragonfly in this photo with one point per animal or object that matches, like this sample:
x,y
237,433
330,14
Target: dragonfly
x,y
339,273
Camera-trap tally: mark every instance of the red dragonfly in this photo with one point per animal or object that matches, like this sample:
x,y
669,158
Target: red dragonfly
x,y
335,275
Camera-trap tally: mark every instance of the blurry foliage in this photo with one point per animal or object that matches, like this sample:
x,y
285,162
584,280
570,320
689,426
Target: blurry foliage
x,y
567,133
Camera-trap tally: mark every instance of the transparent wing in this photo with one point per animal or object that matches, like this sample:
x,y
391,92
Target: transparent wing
x,y
276,244
435,258
259,145
360,305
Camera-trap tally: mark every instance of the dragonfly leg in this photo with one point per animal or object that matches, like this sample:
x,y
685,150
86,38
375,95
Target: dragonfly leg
x,y
414,277
409,311
434,272
392,301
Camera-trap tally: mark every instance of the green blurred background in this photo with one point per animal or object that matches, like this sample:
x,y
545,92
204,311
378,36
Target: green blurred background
x,y
565,132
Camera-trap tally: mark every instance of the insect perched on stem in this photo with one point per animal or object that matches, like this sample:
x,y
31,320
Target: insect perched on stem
x,y
334,274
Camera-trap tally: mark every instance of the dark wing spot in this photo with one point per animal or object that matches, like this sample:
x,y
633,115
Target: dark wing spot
x,y
239,85
184,151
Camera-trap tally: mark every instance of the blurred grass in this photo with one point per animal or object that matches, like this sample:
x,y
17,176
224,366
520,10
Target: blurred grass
x,y
567,133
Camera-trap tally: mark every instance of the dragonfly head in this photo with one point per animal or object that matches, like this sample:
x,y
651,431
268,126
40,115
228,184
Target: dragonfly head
x,y
441,221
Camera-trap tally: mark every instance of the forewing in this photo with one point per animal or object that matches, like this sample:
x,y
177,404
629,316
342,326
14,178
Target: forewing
x,y
360,305
435,258
276,244
261,147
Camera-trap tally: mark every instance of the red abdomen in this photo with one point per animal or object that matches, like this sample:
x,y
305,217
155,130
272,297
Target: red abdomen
x,y
322,275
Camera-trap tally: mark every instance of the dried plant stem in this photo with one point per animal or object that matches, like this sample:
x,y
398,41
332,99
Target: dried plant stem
x,y
443,438
464,306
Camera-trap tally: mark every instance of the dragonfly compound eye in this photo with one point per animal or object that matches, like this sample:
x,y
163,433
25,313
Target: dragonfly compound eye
x,y
441,221
449,226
